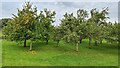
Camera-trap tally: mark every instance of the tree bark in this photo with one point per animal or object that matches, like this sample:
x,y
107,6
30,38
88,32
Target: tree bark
x,y
77,47
30,46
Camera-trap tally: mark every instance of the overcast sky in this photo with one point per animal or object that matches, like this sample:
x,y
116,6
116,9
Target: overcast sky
x,y
10,7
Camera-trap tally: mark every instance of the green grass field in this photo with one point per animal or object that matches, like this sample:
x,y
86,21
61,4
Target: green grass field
x,y
65,55
0,53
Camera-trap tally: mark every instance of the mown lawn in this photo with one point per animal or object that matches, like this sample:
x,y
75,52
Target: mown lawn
x,y
65,55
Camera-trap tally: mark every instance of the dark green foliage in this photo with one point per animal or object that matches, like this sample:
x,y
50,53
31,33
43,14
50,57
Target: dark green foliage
x,y
3,22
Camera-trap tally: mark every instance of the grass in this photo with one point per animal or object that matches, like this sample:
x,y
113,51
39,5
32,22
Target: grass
x,y
0,33
0,49
65,55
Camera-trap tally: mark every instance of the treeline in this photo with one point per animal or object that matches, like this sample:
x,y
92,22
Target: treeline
x,y
28,24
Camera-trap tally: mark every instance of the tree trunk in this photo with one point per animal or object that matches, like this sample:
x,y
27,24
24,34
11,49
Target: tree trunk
x,y
30,46
101,41
58,42
96,43
46,38
25,42
46,41
80,38
77,47
89,42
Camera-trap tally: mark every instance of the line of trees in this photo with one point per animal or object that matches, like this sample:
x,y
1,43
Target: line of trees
x,y
28,24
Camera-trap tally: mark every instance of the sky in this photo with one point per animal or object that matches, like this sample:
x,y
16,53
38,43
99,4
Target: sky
x,y
9,7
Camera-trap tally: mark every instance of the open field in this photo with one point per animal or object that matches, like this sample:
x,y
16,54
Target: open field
x,y
65,55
